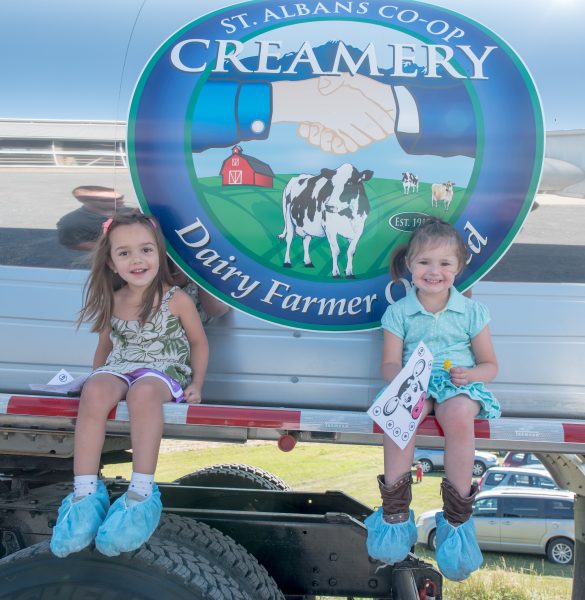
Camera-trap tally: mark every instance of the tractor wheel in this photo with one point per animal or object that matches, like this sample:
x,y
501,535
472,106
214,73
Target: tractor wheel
x,y
158,569
219,549
234,476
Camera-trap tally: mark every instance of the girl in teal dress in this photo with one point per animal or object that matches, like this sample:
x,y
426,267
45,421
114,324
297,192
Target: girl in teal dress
x,y
151,349
455,329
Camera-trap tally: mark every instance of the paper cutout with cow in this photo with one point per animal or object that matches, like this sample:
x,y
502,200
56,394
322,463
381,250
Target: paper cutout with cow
x,y
398,407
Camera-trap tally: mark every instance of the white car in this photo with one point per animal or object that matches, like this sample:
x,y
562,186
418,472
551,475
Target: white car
x,y
523,520
516,477
434,458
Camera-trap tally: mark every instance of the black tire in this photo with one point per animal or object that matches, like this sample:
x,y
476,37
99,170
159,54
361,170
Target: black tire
x,y
479,468
234,476
219,549
432,542
158,569
426,464
561,551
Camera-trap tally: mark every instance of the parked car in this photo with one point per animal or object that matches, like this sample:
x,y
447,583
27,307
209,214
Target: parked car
x,y
522,459
516,477
434,458
532,521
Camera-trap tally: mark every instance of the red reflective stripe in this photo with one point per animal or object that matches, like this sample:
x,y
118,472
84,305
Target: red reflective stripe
x,y
574,432
42,407
46,406
430,426
199,414
482,429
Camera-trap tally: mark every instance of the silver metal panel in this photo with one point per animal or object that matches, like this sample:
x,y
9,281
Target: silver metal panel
x,y
541,352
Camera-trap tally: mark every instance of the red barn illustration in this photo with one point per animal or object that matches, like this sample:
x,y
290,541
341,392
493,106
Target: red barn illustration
x,y
241,169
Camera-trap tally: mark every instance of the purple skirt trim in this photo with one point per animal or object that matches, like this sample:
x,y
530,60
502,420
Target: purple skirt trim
x,y
133,376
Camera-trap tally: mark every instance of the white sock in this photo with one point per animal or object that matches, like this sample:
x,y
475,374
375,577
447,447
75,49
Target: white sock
x,y
84,485
141,484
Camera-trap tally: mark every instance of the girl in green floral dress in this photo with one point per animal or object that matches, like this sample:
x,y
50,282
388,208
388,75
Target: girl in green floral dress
x,y
151,349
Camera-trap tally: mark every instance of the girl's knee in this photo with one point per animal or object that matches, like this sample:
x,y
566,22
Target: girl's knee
x,y
148,390
457,414
100,394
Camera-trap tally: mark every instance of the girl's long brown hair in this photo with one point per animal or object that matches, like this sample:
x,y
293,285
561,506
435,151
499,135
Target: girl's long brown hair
x,y
98,306
432,231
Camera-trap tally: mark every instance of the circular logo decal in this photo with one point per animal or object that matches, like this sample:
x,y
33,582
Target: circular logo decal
x,y
288,148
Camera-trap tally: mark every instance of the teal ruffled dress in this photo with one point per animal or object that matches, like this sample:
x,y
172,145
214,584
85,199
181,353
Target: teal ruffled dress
x,y
448,336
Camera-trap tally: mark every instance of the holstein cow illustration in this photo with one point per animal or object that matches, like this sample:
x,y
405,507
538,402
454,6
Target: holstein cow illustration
x,y
409,182
326,205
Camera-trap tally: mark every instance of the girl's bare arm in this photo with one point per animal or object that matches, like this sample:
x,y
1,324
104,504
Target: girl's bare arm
x,y
486,363
103,349
182,306
211,305
391,356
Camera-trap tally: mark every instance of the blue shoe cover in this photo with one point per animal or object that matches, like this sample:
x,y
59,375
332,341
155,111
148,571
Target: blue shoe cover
x,y
389,542
129,525
458,554
78,522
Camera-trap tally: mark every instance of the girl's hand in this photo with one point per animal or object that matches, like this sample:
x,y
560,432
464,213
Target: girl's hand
x,y
192,394
459,376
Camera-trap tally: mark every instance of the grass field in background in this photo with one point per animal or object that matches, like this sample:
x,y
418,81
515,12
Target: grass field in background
x,y
353,470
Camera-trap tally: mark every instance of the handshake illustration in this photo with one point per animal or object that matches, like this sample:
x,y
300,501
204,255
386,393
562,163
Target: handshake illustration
x,y
338,113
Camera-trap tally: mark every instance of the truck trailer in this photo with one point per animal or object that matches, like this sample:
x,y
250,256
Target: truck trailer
x,y
207,116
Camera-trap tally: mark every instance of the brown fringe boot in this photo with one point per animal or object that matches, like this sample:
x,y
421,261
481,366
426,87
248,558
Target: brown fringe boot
x,y
391,529
396,498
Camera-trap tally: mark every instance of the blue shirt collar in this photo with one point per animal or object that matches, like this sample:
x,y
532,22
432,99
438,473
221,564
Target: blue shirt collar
x,y
456,303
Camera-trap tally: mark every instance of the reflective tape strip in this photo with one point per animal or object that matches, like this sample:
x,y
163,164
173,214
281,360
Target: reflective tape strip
x,y
175,413
236,416
48,406
527,430
509,429
120,413
337,421
574,432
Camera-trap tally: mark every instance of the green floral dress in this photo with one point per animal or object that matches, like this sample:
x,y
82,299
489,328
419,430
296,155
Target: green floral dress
x,y
161,344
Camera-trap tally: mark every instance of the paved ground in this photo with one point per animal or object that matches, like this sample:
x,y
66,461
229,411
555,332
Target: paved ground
x,y
551,245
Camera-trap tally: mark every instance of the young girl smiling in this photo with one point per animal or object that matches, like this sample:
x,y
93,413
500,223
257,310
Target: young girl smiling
x,y
455,329
151,349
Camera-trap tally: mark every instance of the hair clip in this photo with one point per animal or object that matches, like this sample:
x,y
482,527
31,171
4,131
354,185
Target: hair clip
x,y
106,225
